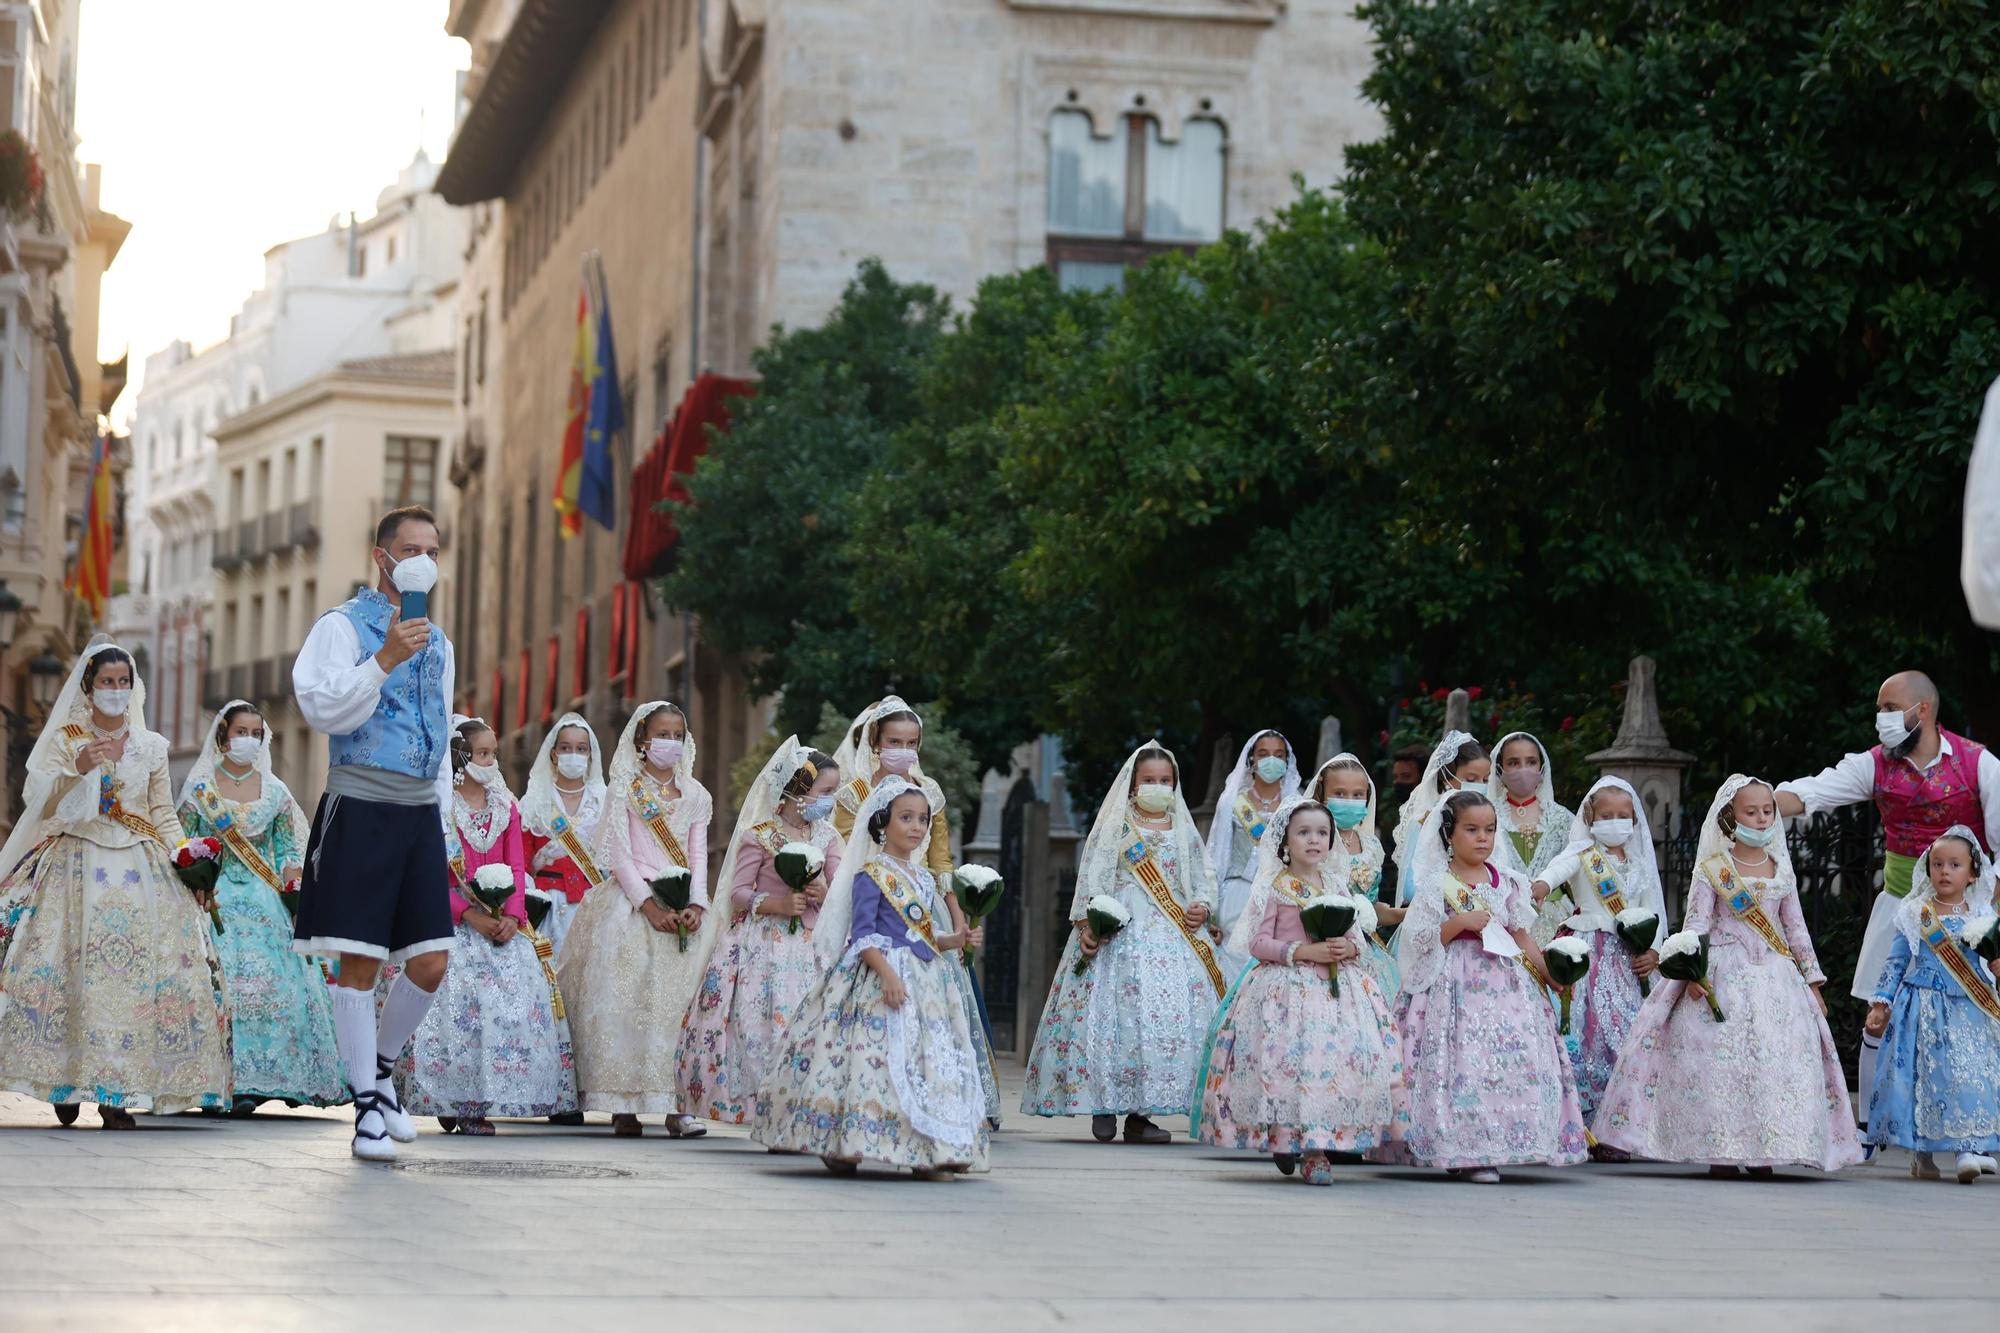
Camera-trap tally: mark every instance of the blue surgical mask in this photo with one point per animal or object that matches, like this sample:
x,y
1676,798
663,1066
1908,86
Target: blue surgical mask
x,y
1756,837
1347,812
1270,768
819,807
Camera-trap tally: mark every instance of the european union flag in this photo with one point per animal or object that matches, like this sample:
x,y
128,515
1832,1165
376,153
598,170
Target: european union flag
x,y
597,487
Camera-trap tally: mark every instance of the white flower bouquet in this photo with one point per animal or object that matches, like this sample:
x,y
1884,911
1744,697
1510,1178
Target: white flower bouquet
x,y
978,890
1107,916
1684,957
797,863
1568,960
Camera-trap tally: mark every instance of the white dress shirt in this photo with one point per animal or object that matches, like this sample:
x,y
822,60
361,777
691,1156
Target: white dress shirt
x,y
1979,551
1852,781
337,694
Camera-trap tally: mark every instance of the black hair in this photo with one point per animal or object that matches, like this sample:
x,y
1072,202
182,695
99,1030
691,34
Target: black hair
x,y
878,823
388,525
1971,854
101,659
229,716
1467,752
1285,832
646,722
1154,750
1415,754
461,742
1454,805
807,774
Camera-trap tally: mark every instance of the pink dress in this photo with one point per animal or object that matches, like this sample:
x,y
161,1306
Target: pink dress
x,y
759,974
1291,1069
1487,1077
1762,1088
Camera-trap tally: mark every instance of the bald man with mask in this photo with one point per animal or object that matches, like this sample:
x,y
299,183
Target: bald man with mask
x,y
1922,779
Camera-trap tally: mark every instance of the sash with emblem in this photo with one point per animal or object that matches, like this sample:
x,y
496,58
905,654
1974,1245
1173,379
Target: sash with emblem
x,y
1147,871
564,832
109,793
903,897
1962,969
656,820
1604,879
1743,902
223,821
1250,818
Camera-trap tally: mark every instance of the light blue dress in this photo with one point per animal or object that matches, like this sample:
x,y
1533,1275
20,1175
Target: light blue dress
x,y
281,1018
1935,1084
1375,959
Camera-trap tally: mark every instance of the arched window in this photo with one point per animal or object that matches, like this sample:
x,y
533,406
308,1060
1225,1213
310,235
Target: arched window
x,y
1118,199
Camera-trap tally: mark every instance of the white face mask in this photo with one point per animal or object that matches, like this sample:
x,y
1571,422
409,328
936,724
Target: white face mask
x,y
1612,832
1891,728
111,703
417,574
243,750
1155,798
572,766
484,774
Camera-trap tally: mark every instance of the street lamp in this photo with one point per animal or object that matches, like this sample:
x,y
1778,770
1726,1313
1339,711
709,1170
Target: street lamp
x,y
10,615
45,679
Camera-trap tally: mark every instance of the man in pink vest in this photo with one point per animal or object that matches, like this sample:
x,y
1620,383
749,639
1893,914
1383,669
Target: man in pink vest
x,y
1922,779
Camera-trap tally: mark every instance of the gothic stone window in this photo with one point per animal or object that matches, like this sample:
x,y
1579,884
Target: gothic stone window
x,y
1119,199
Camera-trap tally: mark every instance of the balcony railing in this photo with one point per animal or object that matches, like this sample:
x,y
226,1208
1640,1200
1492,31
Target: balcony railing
x,y
225,558
277,533
281,687
246,540
239,681
260,680
305,523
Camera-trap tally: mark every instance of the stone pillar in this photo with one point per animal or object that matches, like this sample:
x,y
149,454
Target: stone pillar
x,y
1641,754
982,841
1329,744
1219,762
1458,711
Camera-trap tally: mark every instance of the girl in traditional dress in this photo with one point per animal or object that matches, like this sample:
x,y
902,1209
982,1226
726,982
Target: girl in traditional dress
x,y
1487,1078
632,965
1125,1036
1935,1007
110,988
1344,787
495,1041
1457,762
1763,1087
280,1016
1608,868
1266,776
878,1065
886,740
764,962
1537,829
559,818
1291,1068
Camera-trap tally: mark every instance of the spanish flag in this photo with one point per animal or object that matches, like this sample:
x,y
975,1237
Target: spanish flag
x,y
92,579
584,485
569,477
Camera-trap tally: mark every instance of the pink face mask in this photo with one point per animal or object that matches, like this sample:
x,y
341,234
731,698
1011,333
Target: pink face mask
x,y
899,760
663,753
1521,783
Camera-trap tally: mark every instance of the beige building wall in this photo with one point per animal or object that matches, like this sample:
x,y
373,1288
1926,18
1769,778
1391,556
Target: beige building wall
x,y
301,481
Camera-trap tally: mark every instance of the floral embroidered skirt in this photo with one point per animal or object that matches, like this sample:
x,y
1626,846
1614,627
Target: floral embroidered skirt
x,y
1291,1069
628,988
855,1079
1128,1034
491,1043
280,1015
1762,1088
754,984
1486,1075
1601,1009
1937,1080
110,988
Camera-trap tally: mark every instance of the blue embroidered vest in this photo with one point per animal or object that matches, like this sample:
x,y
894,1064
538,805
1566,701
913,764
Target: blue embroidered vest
x,y
409,729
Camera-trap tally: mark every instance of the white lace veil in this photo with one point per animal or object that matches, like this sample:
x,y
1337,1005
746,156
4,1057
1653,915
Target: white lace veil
x,y
1714,842
614,830
1424,799
856,756
1553,818
1222,827
760,806
541,805
1422,953
1639,876
48,760
836,914
1978,894
203,773
1269,866
1371,854
1104,846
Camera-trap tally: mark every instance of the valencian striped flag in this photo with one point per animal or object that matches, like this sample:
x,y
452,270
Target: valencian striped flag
x,y
584,484
92,580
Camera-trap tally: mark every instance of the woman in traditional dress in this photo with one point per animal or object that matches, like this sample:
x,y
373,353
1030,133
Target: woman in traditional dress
x,y
494,1042
110,988
1764,1086
1266,776
879,1063
1537,829
1456,762
1487,1077
1128,1016
632,965
1344,786
764,963
280,1016
1608,868
1293,1069
1935,1087
886,740
559,816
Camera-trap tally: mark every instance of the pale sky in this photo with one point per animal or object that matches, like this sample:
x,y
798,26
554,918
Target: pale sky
x,y
227,126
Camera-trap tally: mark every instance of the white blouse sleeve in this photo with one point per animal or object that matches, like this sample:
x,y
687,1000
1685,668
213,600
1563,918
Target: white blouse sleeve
x,y
1849,782
336,693
1979,561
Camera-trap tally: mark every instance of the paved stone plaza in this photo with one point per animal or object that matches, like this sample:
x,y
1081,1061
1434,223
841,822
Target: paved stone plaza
x,y
213,1225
